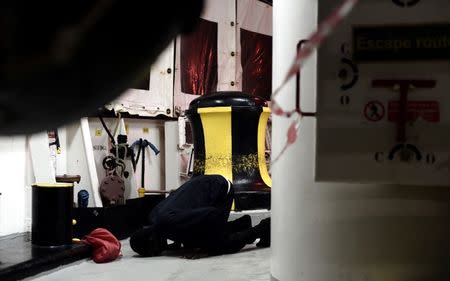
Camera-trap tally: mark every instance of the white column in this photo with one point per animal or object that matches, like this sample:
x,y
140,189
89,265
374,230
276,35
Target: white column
x,y
172,155
44,171
338,231
13,170
90,161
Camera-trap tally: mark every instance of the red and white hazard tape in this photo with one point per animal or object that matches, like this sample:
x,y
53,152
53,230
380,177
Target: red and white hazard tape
x,y
314,41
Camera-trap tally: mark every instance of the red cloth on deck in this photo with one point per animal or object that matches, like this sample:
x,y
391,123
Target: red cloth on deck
x,y
105,244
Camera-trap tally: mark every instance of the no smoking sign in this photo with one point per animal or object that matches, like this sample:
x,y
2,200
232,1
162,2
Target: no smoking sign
x,y
374,111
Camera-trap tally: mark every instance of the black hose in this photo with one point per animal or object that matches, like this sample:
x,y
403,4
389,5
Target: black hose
x,y
133,159
143,166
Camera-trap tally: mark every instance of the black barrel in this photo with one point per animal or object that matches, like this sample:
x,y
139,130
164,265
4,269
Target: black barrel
x,y
229,139
52,214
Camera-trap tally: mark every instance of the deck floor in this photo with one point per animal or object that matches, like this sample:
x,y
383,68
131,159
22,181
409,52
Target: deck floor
x,y
251,264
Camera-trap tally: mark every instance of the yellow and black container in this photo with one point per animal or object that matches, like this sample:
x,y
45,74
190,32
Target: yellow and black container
x,y
229,139
52,205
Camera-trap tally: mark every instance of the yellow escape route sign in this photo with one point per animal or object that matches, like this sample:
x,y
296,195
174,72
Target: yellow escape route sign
x,y
401,42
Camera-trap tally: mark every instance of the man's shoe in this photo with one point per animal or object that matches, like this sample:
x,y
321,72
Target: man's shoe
x,y
263,232
240,224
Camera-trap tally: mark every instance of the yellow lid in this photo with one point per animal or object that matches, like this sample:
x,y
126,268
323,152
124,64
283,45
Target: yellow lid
x,y
51,185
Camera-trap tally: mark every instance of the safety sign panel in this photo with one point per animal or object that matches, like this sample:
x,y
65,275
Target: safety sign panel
x,y
427,110
382,94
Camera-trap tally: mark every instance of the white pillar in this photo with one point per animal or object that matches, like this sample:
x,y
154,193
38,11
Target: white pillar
x,y
337,231
44,171
13,182
90,161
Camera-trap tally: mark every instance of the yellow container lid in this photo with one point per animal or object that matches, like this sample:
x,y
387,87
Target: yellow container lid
x,y
52,185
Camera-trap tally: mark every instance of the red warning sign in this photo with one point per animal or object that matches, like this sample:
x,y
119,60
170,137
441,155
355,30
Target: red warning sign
x,y
428,110
374,111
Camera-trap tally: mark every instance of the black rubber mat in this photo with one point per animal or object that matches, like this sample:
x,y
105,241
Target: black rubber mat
x,y
20,259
